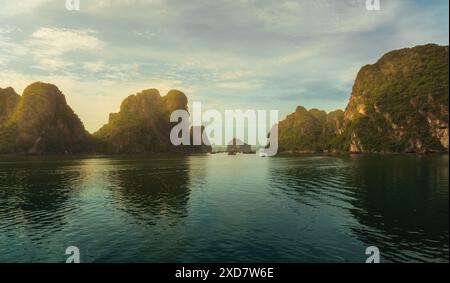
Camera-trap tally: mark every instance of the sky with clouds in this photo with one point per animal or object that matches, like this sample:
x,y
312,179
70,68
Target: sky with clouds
x,y
227,54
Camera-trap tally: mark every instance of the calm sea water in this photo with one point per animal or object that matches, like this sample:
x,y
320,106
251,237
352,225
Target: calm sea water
x,y
222,208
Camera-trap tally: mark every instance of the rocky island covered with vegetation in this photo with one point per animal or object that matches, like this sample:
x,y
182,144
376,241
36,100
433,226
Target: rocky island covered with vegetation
x,y
40,122
398,104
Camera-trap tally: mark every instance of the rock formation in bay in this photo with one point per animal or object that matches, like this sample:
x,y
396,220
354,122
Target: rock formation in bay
x,y
310,131
143,125
398,104
40,122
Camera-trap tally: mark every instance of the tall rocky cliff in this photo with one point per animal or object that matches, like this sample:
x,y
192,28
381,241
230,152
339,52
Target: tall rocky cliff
x,y
398,104
143,125
401,102
40,122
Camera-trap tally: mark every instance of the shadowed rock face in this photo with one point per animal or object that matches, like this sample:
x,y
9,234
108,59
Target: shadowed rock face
x,y
41,122
398,104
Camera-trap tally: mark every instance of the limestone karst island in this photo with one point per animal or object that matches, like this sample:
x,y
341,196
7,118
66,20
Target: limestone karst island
x,y
398,104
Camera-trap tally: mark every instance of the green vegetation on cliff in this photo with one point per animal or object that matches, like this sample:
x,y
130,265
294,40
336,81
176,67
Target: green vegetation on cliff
x,y
310,131
40,122
399,104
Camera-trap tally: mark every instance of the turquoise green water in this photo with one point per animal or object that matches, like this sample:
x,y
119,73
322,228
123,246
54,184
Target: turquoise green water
x,y
221,208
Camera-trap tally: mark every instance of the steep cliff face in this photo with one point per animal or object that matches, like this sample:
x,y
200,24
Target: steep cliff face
x,y
41,122
401,102
143,124
398,104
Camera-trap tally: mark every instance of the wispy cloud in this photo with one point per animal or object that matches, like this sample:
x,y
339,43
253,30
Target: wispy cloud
x,y
295,56
111,71
48,45
239,85
13,8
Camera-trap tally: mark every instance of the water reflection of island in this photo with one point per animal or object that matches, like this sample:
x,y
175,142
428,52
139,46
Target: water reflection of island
x,y
34,194
150,190
400,203
403,202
